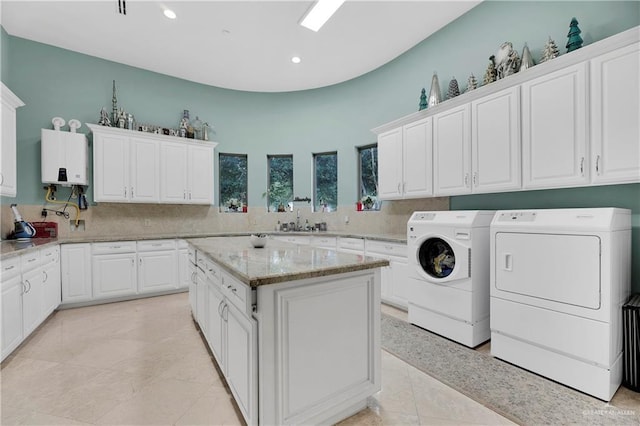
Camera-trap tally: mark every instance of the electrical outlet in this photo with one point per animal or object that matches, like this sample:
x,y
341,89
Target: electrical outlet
x,y
43,213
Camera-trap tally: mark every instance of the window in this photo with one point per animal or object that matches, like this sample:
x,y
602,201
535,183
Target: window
x,y
280,181
368,177
325,181
233,182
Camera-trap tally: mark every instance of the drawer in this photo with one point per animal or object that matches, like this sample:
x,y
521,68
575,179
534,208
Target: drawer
x,y
294,239
324,242
155,245
386,249
10,268
114,247
238,293
30,260
212,272
351,243
50,255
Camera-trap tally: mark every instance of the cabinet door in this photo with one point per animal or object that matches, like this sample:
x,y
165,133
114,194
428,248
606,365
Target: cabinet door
x,y
173,179
200,172
114,275
417,161
145,171
75,267
193,290
202,302
32,301
452,151
8,160
111,168
554,129
495,142
184,273
242,361
11,314
615,108
157,271
399,283
51,290
390,165
216,331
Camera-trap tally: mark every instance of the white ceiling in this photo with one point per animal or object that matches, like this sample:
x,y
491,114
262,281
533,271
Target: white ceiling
x,y
242,45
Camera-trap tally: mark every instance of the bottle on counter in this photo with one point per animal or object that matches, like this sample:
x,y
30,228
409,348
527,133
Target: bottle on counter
x,y
306,225
278,226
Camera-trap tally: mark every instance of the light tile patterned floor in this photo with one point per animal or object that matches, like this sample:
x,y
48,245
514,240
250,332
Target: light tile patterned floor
x,y
143,362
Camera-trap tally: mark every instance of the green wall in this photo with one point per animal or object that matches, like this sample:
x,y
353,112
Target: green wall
x,y
56,82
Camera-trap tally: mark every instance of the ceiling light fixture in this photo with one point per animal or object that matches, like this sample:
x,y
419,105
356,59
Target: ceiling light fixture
x,y
296,59
320,13
169,14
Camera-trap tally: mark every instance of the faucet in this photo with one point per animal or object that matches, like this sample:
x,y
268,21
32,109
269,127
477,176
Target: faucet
x,y
298,220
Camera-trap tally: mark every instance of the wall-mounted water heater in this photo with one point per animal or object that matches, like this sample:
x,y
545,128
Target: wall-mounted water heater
x,y
64,157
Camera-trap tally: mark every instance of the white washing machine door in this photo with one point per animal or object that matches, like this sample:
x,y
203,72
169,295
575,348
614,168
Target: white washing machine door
x,y
440,259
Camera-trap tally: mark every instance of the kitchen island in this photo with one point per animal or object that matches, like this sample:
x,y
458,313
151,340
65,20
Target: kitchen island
x,y
294,329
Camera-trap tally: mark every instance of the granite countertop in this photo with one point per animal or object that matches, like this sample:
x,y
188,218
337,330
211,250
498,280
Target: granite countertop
x,y
10,248
279,261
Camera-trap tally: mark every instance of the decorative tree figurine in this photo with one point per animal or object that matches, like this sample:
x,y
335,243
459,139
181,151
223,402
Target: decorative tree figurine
x,y
472,83
526,61
575,41
550,51
434,94
454,90
491,74
423,100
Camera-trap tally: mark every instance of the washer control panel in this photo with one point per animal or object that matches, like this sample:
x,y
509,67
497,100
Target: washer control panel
x,y
517,217
423,216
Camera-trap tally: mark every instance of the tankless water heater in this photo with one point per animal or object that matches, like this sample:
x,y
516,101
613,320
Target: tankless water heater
x,y
64,158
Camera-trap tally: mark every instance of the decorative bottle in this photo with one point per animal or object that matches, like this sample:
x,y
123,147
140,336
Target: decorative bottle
x,y
184,124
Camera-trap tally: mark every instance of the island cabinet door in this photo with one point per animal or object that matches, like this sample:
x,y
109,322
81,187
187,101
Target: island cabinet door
x,y
319,347
216,331
242,361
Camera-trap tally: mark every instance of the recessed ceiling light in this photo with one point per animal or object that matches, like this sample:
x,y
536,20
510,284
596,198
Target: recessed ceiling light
x,y
296,59
320,13
170,14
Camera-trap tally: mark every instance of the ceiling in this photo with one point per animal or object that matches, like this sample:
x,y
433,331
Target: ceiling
x,y
241,45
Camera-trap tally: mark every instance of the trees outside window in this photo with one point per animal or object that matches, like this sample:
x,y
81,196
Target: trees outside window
x,y
325,181
368,176
280,182
233,182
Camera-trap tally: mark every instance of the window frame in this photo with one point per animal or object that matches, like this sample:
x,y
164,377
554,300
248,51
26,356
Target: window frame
x,y
267,193
243,200
359,149
315,155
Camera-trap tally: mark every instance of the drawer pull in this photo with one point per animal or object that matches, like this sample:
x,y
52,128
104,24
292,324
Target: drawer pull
x,y
31,260
8,268
156,245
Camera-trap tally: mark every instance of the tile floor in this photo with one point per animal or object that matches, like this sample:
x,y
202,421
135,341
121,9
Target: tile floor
x,y
143,362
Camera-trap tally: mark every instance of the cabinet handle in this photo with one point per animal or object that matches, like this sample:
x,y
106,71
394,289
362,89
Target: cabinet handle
x,y
189,194
28,288
31,260
225,307
156,245
132,192
133,262
466,180
475,178
140,261
8,268
184,194
46,277
24,288
125,192
219,306
598,165
1,178
582,166
193,277
234,289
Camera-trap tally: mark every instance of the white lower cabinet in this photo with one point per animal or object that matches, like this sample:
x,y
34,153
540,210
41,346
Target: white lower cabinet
x,y
75,266
395,277
184,272
157,266
114,271
30,292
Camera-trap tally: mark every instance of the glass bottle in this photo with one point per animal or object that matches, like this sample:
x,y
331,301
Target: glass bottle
x,y
197,128
184,124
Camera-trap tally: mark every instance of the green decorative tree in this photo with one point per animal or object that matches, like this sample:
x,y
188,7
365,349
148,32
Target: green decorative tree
x,y
423,100
550,51
575,41
491,74
454,90
472,83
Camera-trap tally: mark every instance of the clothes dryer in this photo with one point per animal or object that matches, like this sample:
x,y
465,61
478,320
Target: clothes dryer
x,y
559,279
448,257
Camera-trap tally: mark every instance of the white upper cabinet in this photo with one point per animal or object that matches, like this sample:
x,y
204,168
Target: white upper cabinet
x,y
495,142
187,173
404,161
554,129
140,167
417,155
452,151
8,159
390,165
615,116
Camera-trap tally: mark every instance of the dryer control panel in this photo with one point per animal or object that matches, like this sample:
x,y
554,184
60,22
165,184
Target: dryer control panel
x,y
517,217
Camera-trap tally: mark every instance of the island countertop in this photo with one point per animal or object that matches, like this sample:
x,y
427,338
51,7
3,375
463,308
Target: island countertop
x,y
279,261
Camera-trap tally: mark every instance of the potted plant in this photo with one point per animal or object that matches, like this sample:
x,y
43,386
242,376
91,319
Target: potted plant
x,y
368,201
233,204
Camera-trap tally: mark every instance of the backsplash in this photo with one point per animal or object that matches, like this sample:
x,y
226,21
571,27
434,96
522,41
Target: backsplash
x,y
148,220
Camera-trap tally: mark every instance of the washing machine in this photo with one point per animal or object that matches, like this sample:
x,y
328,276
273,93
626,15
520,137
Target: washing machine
x,y
448,259
559,279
